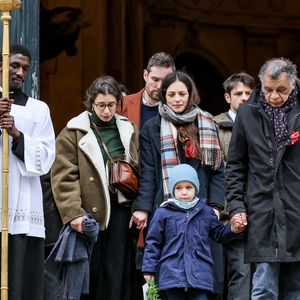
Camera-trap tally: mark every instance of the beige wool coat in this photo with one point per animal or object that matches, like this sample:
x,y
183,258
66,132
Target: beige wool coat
x,y
79,175
224,132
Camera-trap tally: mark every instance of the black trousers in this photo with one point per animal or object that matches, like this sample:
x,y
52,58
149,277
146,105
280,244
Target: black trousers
x,y
112,267
25,267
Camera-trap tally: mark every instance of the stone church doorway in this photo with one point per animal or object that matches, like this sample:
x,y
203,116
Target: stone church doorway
x,y
208,80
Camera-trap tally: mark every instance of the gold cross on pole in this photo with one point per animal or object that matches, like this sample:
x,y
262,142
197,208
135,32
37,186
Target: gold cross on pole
x,y
6,6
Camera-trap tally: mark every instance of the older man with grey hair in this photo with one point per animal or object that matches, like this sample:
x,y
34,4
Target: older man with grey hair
x,y
264,165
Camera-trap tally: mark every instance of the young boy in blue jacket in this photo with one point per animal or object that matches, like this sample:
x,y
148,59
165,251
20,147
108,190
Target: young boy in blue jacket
x,y
177,251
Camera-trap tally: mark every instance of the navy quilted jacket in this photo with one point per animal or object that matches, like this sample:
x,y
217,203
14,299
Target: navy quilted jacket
x,y
177,243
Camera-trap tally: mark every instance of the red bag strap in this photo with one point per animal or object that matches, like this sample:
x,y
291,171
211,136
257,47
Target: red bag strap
x,y
140,242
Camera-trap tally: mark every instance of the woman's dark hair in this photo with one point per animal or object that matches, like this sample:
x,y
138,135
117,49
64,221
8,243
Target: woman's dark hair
x,y
194,98
187,131
105,85
123,88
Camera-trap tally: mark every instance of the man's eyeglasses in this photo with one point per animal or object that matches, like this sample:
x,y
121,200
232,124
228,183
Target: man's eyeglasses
x,y
102,106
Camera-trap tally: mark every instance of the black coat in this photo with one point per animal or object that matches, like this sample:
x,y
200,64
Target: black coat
x,y
53,223
272,178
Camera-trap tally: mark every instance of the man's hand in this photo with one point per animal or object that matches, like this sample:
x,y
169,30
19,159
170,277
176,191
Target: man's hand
x,y
7,122
238,222
140,218
5,105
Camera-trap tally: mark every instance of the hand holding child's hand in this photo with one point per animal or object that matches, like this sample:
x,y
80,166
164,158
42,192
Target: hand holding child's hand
x,y
238,222
139,217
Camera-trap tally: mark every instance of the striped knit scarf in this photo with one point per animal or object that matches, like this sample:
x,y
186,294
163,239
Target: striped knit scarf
x,y
208,140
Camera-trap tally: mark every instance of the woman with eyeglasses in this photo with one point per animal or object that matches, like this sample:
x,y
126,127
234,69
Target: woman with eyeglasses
x,y
81,186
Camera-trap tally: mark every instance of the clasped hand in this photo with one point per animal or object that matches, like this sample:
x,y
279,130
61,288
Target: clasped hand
x,y
238,222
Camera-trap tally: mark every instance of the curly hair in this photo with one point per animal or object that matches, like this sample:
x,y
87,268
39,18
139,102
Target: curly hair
x,y
276,66
18,49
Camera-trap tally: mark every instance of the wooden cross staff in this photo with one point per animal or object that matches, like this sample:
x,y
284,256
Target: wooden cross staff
x,y
6,6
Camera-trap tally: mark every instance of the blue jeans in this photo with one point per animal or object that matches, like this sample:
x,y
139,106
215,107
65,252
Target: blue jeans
x,y
181,294
274,281
238,273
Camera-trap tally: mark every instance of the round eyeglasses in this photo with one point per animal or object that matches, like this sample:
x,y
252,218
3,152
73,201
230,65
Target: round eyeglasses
x,y
102,106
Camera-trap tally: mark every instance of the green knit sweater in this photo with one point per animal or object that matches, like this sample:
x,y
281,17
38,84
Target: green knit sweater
x,y
109,133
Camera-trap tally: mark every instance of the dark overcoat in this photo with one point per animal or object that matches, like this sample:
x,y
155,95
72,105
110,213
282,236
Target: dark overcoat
x,y
150,195
272,177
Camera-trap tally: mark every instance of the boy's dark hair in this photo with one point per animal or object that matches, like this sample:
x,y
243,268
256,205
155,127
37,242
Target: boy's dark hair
x,y
18,49
230,83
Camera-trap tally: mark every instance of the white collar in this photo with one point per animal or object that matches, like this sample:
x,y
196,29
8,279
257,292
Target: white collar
x,y
145,102
232,115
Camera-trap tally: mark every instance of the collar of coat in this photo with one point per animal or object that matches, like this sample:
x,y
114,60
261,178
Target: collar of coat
x,y
82,122
194,211
126,129
224,121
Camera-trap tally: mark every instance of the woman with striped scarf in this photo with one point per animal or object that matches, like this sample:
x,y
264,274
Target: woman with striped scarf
x,y
181,133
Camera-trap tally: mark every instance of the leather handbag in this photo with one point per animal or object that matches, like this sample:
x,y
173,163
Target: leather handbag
x,y
123,176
